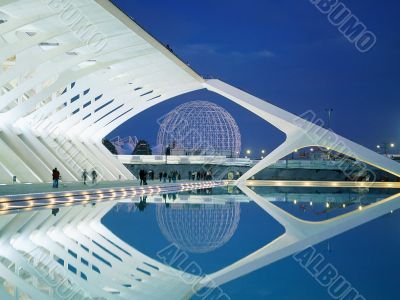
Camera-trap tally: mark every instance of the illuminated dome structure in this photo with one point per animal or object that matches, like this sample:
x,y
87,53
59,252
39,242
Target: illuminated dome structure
x,y
198,228
199,128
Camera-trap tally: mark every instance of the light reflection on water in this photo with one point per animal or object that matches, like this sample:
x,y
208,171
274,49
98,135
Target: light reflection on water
x,y
216,227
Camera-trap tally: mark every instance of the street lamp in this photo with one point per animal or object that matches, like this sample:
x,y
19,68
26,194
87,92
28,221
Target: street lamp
x,y
295,151
385,147
248,152
262,153
329,111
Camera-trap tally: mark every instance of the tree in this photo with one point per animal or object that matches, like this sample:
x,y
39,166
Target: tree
x,y
109,146
142,148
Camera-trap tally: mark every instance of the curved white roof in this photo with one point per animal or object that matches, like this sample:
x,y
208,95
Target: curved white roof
x,y
96,48
76,70
72,71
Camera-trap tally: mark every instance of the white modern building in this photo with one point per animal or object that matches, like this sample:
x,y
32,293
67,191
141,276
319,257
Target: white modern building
x,y
72,71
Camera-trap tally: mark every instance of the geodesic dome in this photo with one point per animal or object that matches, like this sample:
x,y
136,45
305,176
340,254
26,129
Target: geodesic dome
x,y
198,228
199,128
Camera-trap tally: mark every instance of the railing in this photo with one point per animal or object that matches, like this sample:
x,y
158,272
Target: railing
x,y
182,159
312,164
227,161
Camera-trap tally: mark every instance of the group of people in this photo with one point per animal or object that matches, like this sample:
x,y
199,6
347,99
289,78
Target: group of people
x,y
57,177
200,175
172,176
163,176
85,176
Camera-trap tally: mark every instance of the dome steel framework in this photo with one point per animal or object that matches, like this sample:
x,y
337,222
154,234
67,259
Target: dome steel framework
x,y
199,228
200,128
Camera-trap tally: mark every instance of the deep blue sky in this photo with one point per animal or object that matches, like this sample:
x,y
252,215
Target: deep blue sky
x,y
287,53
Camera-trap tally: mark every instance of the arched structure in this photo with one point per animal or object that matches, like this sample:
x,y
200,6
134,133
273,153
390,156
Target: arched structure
x,y
72,71
73,256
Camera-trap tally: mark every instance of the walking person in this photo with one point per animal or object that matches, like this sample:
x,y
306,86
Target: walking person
x,y
56,177
170,176
141,176
94,177
165,176
145,178
84,176
160,175
174,174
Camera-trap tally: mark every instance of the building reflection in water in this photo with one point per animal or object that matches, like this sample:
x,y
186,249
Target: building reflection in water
x,y
65,252
199,228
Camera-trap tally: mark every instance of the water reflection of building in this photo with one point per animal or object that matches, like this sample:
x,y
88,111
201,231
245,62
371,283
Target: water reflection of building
x,y
198,228
73,256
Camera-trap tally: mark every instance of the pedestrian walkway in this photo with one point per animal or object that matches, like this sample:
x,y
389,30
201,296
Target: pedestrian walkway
x,y
17,200
18,188
324,184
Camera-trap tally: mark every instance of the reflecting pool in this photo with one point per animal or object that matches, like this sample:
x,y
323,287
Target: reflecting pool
x,y
172,245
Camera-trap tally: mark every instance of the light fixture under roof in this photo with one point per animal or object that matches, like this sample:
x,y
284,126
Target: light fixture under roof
x,y
49,44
